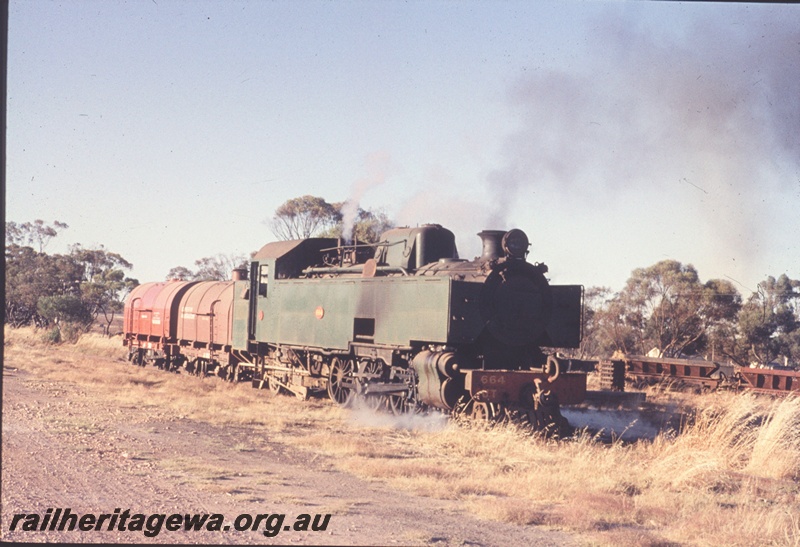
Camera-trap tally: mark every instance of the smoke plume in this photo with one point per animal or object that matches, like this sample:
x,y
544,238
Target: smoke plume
x,y
714,108
377,165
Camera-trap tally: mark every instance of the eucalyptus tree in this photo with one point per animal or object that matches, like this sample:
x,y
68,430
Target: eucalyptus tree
x,y
30,233
769,321
665,307
303,217
312,216
104,284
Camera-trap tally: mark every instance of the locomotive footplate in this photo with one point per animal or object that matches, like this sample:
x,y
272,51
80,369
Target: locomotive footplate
x,y
517,386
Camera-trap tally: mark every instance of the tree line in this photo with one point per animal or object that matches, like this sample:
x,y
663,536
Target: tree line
x,y
663,309
667,311
63,292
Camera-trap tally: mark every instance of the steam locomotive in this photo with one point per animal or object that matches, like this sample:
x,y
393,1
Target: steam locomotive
x,y
404,324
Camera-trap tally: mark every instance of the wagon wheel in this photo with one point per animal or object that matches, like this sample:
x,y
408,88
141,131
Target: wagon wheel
x,y
340,381
233,373
273,385
722,381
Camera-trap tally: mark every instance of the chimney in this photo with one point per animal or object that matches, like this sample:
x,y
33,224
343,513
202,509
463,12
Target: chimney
x,y
492,244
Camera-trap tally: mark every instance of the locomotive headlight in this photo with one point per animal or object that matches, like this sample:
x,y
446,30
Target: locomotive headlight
x,y
515,243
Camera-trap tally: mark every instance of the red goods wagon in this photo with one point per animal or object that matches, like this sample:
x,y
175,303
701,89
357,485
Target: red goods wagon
x,y
205,316
151,311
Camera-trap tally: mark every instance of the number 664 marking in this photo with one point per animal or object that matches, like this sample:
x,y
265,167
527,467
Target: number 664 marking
x,y
493,380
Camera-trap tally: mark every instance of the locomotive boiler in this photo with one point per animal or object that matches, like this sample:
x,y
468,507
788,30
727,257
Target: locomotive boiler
x,y
402,324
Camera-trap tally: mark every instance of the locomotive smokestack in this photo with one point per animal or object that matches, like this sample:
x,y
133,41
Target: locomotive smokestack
x,y
492,244
239,274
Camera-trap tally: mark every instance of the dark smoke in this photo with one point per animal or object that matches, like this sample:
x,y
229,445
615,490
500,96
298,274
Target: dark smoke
x,y
714,108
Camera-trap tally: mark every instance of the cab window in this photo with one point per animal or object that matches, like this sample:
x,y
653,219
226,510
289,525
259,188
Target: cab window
x,y
263,278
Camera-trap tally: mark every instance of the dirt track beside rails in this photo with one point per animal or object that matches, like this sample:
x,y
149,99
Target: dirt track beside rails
x,y
70,446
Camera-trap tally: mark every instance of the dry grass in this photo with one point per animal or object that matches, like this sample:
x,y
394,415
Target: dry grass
x,y
730,477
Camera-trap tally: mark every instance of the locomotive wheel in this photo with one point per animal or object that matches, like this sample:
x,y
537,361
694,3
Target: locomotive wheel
x,y
340,381
373,368
397,405
482,412
518,416
374,402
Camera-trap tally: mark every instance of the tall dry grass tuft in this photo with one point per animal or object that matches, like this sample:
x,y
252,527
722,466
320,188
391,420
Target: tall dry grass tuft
x,y
738,433
776,450
23,336
99,345
93,344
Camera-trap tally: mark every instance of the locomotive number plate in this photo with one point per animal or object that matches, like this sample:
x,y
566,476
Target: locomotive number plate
x,y
493,379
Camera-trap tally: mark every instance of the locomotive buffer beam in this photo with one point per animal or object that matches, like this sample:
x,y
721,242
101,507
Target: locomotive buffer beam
x,y
514,386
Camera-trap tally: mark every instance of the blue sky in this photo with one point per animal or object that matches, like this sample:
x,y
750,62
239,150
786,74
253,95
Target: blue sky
x,y
616,134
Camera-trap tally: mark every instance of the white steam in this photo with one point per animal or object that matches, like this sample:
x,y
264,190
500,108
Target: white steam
x,y
363,415
377,165
617,424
